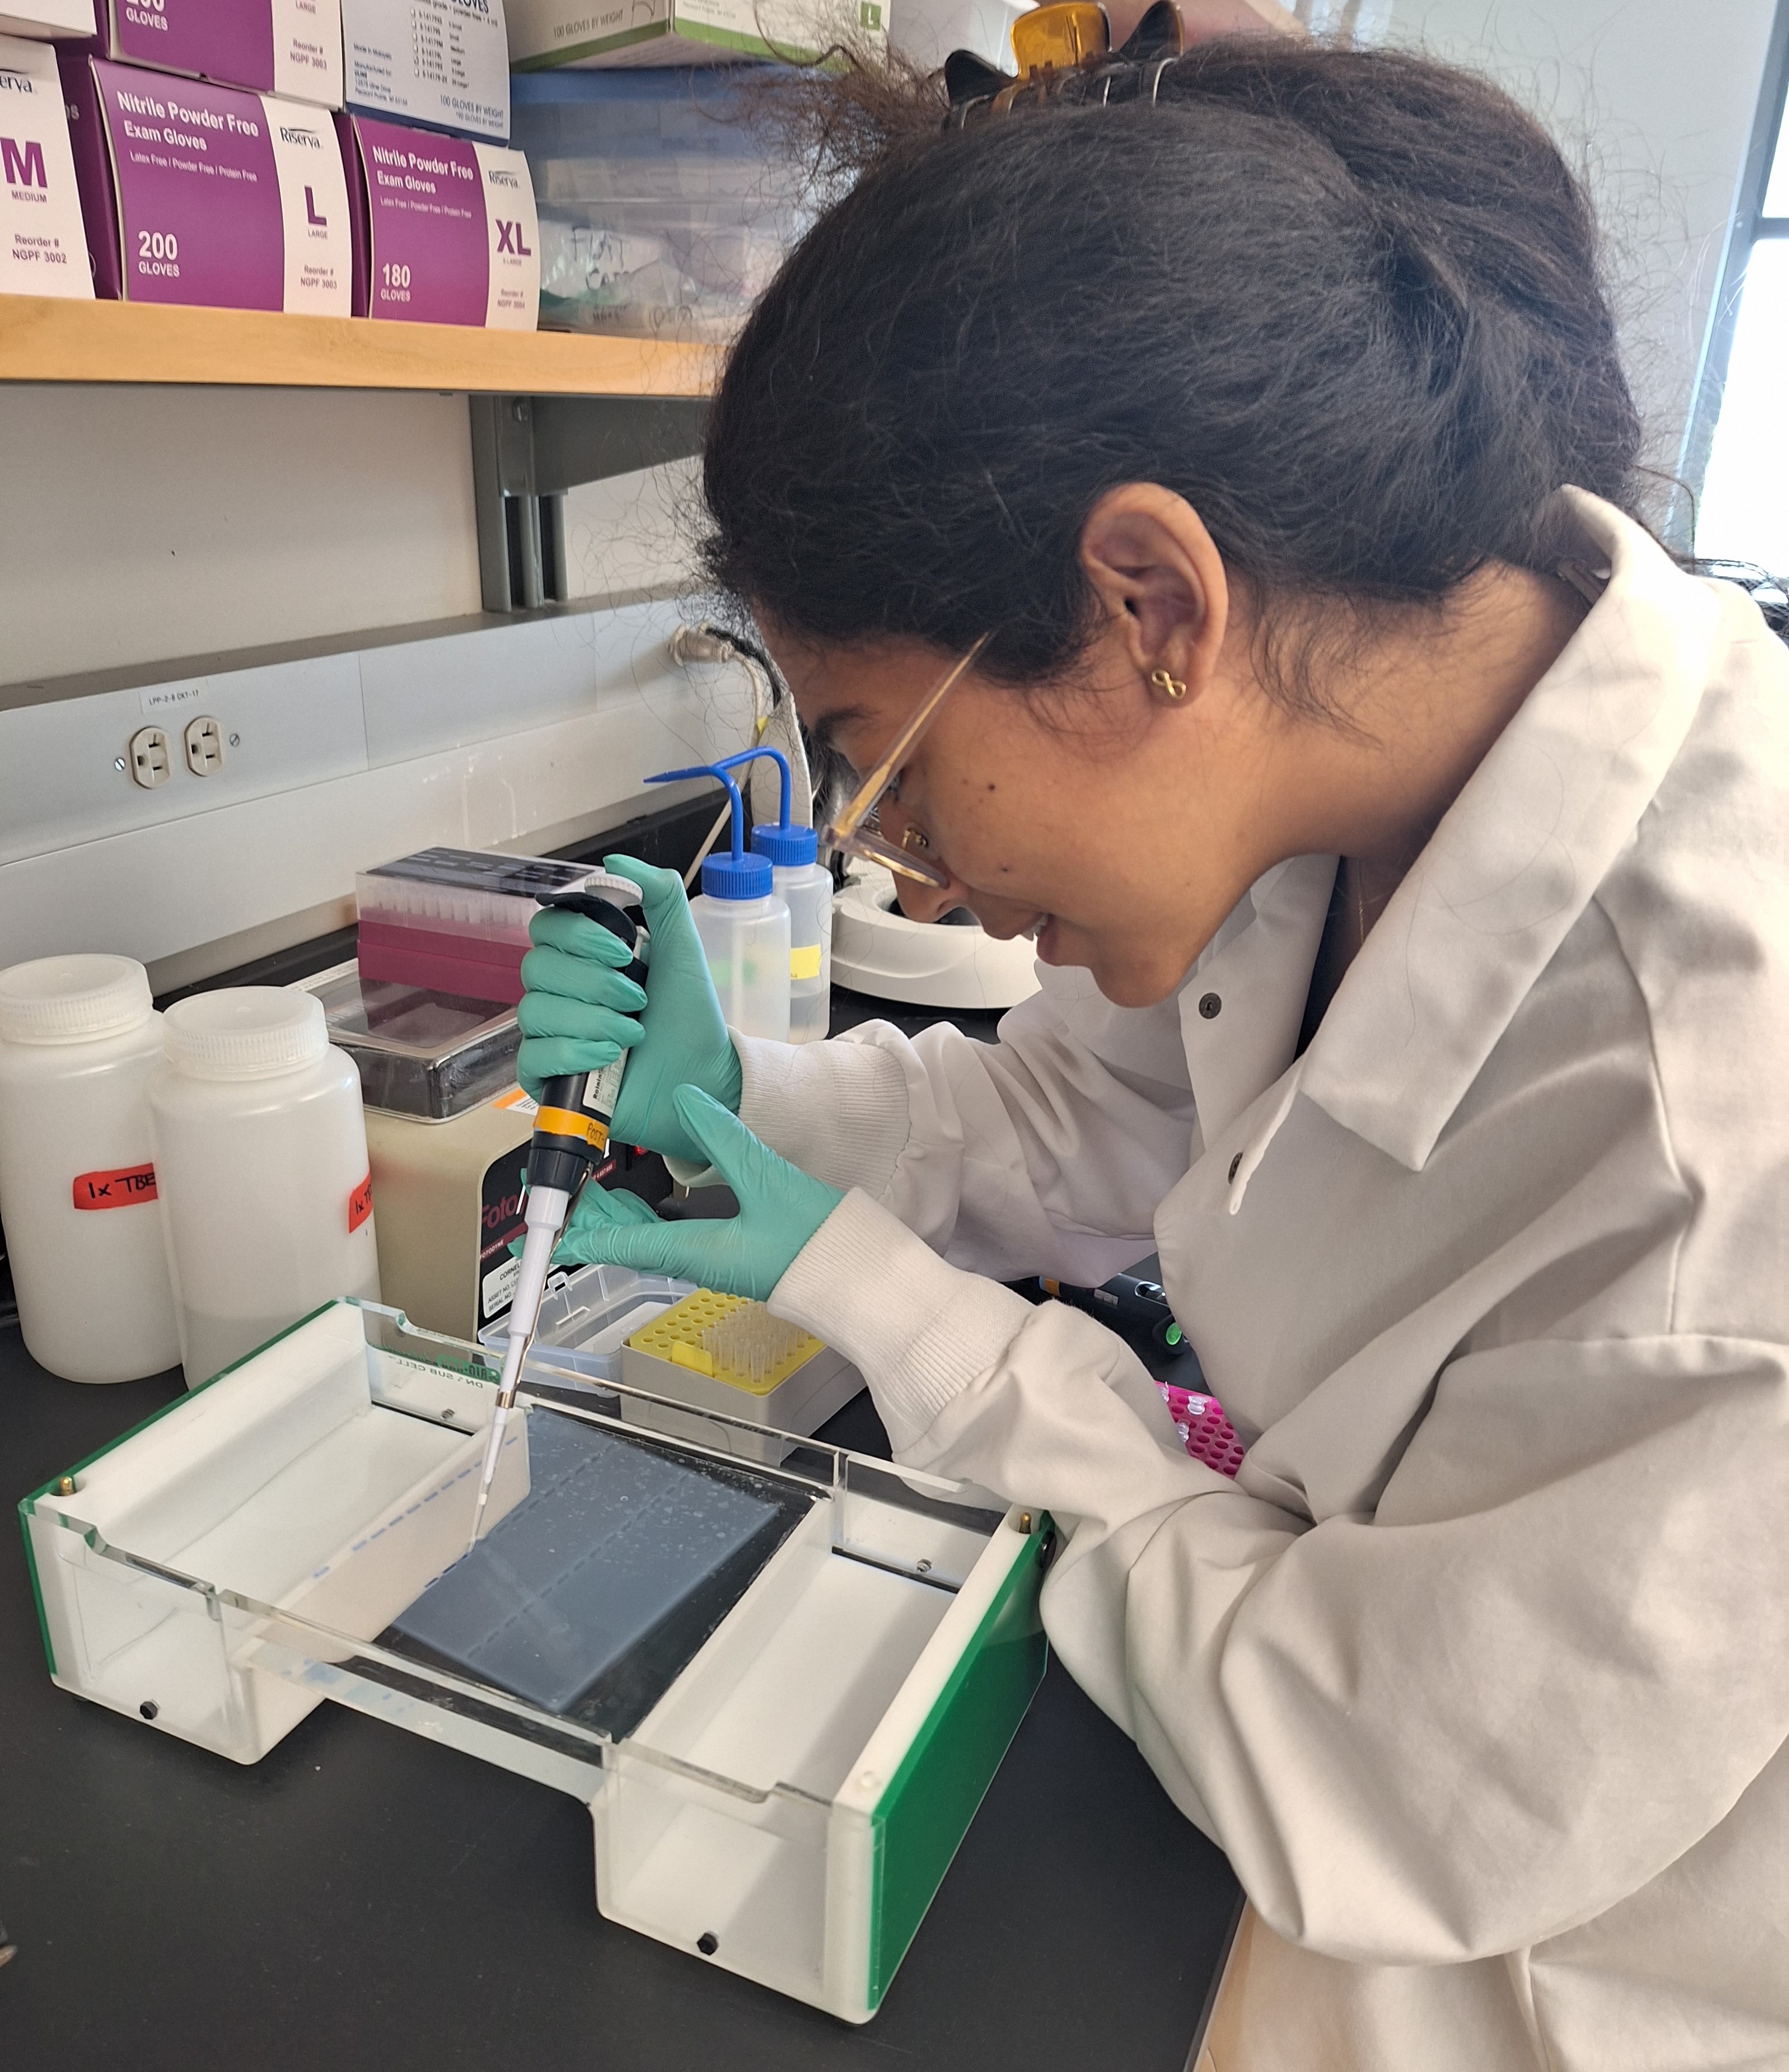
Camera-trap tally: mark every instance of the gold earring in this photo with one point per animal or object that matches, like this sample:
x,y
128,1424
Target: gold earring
x,y
1171,688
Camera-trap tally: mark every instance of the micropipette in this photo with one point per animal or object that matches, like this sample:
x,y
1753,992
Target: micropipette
x,y
571,1134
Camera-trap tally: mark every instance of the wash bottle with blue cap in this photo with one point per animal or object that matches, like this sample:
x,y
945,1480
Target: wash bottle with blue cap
x,y
804,883
743,924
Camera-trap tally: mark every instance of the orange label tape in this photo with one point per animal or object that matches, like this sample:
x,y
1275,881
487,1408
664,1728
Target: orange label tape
x,y
568,1122
122,1188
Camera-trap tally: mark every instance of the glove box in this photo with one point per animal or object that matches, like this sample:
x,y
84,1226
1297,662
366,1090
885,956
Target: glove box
x,y
781,1687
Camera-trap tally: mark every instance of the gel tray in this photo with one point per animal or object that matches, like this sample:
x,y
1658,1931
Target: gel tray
x,y
590,1597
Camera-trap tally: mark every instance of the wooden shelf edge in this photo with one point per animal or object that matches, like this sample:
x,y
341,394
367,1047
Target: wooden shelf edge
x,y
47,339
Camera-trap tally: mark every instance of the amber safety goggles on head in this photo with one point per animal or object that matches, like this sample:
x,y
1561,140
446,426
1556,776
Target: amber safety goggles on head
x,y
857,830
1065,49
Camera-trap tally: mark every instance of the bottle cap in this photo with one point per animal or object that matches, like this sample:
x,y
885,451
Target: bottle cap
x,y
787,847
735,877
72,999
245,1032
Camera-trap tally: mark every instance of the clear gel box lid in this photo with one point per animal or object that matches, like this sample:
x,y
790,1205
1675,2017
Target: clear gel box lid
x,y
781,1687
421,1053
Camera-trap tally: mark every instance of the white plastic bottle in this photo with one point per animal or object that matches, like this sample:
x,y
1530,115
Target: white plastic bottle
x,y
260,1158
744,932
79,1045
743,925
805,887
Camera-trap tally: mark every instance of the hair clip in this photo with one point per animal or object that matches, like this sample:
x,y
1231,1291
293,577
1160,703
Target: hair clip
x,y
1065,49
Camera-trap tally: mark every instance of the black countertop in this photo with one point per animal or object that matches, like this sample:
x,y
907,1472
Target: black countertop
x,y
364,1898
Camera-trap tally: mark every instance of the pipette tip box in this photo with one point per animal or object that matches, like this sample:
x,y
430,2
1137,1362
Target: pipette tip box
x,y
721,1353
455,920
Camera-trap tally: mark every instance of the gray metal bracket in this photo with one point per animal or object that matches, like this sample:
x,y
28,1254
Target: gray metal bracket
x,y
528,451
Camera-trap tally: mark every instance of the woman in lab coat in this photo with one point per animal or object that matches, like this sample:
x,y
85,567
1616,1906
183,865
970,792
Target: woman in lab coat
x,y
1274,437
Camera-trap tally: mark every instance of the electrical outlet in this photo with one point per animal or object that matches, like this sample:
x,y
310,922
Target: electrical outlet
x,y
149,763
204,741
519,736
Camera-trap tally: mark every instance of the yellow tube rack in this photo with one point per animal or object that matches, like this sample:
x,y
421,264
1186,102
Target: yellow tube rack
x,y
676,1336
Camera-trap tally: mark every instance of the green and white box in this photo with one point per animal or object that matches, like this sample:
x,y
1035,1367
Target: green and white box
x,y
782,1689
602,33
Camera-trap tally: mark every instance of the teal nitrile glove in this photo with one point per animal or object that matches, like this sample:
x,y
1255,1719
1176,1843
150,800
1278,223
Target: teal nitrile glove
x,y
780,1208
599,1208
578,1014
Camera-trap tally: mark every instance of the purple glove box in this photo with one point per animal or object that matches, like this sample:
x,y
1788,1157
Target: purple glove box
x,y
447,231
290,47
224,198
99,207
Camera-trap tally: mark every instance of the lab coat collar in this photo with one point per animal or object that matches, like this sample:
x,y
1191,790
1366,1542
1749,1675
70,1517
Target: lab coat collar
x,y
1255,972
1519,854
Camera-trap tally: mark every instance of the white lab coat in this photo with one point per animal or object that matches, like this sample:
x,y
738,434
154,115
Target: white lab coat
x,y
1480,1671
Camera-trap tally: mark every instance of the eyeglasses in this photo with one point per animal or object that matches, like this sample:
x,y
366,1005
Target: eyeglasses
x,y
857,830
1064,50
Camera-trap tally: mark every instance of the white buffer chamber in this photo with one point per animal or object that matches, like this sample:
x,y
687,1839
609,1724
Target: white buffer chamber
x,y
781,1688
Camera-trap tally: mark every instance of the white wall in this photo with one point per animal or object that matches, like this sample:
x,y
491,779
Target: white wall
x,y
167,522
1656,99
524,734
170,524
635,531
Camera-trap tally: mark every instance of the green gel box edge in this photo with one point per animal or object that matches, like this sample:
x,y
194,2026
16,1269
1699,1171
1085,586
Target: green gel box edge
x,y
921,1818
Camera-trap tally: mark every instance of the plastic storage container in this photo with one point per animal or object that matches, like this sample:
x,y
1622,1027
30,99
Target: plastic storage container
x,y
79,1045
781,1691
261,1160
663,212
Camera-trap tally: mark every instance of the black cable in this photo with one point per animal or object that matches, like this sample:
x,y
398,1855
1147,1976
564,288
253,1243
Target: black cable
x,y
747,646
827,771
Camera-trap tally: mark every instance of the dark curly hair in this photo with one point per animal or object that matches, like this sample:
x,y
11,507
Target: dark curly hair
x,y
1347,303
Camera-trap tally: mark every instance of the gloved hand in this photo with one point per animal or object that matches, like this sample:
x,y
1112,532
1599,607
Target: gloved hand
x,y
578,1014
780,1208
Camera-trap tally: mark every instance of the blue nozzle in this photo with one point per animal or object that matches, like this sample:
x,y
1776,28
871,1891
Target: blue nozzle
x,y
736,875
786,846
752,755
